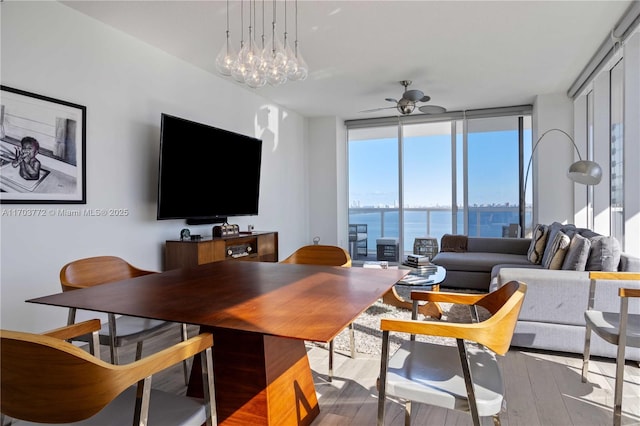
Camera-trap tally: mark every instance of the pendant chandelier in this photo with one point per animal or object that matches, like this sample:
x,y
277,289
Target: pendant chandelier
x,y
266,59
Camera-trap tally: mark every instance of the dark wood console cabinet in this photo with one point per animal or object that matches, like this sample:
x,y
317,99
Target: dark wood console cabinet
x,y
254,246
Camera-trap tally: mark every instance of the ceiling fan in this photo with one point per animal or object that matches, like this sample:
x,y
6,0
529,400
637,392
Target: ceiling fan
x,y
407,103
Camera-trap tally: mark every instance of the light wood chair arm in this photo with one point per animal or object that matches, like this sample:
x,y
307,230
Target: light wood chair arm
x,y
594,276
74,330
629,292
442,296
626,276
431,328
168,357
489,333
490,301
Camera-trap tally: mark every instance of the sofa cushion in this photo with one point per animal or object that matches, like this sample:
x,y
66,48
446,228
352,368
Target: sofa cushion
x,y
604,254
497,268
555,253
538,243
477,261
499,245
629,263
578,253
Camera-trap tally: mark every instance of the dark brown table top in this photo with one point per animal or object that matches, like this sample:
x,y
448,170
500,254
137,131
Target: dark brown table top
x,y
297,301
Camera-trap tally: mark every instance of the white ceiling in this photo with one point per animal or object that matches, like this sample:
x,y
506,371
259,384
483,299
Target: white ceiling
x,y
464,54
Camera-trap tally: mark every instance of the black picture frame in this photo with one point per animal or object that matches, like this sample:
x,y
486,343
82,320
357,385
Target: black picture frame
x,y
56,173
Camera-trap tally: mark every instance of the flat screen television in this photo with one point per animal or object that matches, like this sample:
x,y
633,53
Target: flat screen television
x,y
206,174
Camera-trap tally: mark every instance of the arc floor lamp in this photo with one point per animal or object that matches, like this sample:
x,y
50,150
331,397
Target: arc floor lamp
x,y
582,171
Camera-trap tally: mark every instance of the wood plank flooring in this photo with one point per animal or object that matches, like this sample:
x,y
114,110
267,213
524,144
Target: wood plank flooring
x,y
543,389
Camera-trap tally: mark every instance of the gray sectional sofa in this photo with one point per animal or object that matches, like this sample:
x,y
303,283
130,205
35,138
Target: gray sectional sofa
x,y
552,316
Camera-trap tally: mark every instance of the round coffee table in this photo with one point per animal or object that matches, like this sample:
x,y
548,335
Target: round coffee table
x,y
430,309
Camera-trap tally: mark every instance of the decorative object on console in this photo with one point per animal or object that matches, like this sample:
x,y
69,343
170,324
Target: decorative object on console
x,y
274,62
185,234
585,172
226,230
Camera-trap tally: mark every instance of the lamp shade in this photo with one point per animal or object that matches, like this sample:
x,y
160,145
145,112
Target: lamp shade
x,y
585,172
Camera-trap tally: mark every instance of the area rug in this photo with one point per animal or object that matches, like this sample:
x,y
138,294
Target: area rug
x,y
368,337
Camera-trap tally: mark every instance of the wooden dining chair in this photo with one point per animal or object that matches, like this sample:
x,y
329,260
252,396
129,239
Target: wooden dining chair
x,y
318,254
618,328
465,377
45,379
122,330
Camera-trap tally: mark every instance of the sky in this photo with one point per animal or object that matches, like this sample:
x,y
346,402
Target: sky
x,y
492,168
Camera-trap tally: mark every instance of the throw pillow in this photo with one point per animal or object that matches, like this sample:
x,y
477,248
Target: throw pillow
x,y
554,228
578,253
555,253
454,243
538,243
604,254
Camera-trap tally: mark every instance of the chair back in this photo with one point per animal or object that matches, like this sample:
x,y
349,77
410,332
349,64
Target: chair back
x,y
45,379
98,270
504,304
320,255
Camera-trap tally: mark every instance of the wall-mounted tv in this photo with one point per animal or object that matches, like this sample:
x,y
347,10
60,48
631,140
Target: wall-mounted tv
x,y
206,174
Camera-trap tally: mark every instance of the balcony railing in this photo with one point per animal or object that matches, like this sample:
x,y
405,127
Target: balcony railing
x,y
484,221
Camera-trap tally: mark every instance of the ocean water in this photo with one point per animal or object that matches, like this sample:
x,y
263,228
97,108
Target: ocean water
x,y
384,223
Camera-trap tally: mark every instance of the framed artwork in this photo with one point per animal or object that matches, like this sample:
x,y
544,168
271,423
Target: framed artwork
x,y
42,149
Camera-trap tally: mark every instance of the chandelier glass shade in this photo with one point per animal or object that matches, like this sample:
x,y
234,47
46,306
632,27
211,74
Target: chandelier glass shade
x,y
271,60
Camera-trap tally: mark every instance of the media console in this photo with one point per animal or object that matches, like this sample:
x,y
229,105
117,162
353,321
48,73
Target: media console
x,y
250,246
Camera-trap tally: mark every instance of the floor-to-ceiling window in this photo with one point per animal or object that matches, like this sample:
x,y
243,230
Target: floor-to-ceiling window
x,y
493,170
609,93
374,192
425,178
617,151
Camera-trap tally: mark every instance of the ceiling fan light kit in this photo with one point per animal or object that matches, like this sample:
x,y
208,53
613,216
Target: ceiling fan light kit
x,y
268,61
407,103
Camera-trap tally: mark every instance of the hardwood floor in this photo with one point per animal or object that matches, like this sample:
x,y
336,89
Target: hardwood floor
x,y
543,388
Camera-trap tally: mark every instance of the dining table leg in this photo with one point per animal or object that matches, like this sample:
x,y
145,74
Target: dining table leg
x,y
259,379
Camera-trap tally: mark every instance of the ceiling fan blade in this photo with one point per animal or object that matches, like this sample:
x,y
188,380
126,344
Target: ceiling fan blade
x,y
425,98
391,100
376,109
432,109
413,95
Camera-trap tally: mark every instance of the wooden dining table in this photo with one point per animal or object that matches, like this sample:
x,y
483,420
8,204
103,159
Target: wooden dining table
x,y
260,314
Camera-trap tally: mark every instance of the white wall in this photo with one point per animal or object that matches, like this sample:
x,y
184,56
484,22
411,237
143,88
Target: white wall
x,y
552,190
328,181
632,144
55,51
